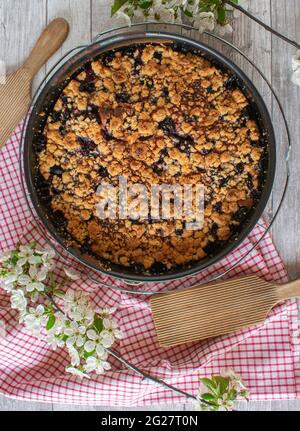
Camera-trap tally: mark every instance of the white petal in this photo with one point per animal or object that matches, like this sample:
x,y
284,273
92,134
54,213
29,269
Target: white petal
x,y
41,275
296,77
77,372
22,261
107,340
92,335
89,346
70,341
80,341
73,275
32,271
106,365
296,61
24,279
40,309
30,287
101,352
123,18
82,330
39,286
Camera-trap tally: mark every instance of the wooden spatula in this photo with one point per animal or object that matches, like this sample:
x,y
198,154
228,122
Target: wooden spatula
x,y
216,309
15,94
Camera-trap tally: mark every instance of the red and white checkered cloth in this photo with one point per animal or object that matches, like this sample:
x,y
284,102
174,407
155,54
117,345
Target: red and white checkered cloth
x,y
267,356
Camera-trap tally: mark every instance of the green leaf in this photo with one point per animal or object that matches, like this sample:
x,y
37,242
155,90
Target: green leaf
x,y
117,4
98,323
59,293
208,397
232,395
14,257
52,282
51,322
145,4
222,383
87,354
221,15
187,13
210,384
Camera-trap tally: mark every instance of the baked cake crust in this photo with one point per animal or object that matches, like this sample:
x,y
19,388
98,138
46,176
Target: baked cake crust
x,y
155,115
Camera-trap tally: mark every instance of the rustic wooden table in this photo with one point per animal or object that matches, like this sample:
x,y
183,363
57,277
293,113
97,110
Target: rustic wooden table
x,y
21,22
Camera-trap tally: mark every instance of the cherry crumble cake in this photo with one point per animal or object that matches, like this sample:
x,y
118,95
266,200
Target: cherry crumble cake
x,y
154,114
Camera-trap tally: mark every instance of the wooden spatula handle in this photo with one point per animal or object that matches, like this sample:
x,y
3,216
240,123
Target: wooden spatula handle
x,y
289,290
50,40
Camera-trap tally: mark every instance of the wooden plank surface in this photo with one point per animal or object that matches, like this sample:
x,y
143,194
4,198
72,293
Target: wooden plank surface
x,y
21,21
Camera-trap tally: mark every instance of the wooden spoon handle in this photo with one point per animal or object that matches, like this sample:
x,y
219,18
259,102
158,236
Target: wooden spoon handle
x,y
289,290
50,40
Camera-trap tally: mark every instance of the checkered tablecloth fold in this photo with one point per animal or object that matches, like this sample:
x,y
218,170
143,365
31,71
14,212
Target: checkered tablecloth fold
x,y
266,356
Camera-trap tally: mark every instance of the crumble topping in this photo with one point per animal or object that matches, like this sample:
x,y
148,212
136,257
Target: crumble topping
x,y
155,115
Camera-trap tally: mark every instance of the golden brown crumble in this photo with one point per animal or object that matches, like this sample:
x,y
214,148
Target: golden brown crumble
x,y
155,115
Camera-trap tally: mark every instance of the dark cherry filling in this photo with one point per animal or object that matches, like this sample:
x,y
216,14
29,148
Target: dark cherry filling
x,y
168,126
87,145
241,214
240,168
218,207
56,170
213,247
87,87
122,97
40,143
157,55
59,219
158,268
232,83
102,171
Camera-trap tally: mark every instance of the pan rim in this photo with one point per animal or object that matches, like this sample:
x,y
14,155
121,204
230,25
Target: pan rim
x,y
164,37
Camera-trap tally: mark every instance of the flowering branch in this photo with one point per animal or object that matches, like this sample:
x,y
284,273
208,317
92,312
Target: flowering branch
x,y
26,274
205,15
261,23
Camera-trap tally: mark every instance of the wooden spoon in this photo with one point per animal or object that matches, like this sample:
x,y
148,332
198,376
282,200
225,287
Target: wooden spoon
x,y
15,94
216,309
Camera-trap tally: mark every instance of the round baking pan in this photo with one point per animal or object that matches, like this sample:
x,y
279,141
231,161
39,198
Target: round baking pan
x,y
45,103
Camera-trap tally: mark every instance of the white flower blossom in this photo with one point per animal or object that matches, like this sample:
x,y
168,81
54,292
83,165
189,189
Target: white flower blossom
x,y
75,358
18,300
112,327
108,338
94,341
106,312
54,341
77,306
71,274
33,281
35,319
5,257
25,254
123,18
296,61
25,274
77,372
75,334
8,282
96,364
205,21
222,30
161,12
296,77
